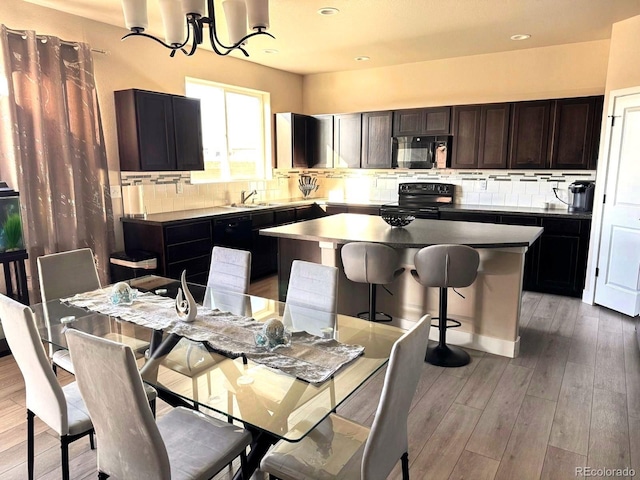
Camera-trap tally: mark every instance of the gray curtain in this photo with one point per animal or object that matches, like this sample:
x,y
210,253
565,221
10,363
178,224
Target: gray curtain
x,y
52,148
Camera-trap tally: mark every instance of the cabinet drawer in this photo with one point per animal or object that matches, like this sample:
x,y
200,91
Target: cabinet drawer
x,y
305,213
262,219
285,216
469,217
193,266
562,226
187,250
188,232
519,220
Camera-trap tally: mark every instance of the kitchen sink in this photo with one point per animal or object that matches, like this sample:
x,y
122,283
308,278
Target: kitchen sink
x,y
252,205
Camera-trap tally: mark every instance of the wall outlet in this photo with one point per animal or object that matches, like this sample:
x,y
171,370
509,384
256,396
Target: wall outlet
x,y
115,191
482,184
179,187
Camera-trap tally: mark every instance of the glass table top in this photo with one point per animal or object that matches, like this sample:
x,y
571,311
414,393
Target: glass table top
x,y
249,392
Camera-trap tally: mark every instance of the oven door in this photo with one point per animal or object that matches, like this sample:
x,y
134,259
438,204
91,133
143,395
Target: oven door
x,y
412,152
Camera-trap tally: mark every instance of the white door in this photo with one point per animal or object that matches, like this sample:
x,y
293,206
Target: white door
x,y
618,281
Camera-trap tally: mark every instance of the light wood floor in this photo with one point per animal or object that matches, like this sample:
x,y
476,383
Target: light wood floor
x,y
571,399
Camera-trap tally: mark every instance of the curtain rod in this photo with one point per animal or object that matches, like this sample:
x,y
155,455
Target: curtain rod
x,y
44,38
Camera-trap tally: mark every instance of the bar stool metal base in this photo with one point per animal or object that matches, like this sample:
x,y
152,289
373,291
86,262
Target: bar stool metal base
x,y
377,317
447,356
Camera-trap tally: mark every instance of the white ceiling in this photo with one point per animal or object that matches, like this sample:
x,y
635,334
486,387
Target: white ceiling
x,y
393,32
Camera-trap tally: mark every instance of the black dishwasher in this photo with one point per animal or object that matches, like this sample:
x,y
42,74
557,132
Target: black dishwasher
x,y
234,232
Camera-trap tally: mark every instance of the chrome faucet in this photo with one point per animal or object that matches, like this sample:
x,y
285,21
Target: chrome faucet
x,y
244,197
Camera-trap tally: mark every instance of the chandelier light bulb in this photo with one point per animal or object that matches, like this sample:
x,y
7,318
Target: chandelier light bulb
x,y
258,11
135,14
173,21
193,7
236,13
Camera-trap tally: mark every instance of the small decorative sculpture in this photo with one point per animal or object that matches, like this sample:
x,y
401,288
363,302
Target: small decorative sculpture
x,y
273,335
186,307
122,294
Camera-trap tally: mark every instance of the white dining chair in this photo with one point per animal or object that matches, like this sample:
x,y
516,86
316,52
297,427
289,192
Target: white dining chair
x,y
61,408
312,297
63,275
339,448
230,269
228,282
183,444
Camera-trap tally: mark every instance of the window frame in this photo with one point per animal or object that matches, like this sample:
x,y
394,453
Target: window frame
x,y
265,170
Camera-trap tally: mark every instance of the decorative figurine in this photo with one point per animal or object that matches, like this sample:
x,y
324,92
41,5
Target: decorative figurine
x,y
273,335
186,307
122,294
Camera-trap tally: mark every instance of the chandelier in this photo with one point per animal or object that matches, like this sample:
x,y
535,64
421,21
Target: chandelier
x,y
176,14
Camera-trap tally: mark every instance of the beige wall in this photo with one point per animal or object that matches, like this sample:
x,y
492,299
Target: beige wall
x,y
624,55
550,72
139,63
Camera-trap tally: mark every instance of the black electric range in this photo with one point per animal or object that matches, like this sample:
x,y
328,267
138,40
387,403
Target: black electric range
x,y
420,199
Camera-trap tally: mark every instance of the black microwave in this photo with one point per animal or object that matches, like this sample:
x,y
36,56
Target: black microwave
x,y
419,152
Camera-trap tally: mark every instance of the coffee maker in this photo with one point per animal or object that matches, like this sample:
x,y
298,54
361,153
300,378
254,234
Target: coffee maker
x,y
581,196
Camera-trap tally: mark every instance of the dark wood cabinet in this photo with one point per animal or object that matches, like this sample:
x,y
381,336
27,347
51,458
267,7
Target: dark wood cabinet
x,y
376,139
557,262
597,129
347,136
181,246
573,130
321,142
466,136
494,135
422,121
529,135
294,140
480,136
158,132
561,261
361,209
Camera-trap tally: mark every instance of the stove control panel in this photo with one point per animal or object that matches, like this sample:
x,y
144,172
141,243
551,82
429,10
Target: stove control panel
x,y
445,189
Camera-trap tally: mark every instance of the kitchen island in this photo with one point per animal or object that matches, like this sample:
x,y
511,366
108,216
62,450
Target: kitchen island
x,y
490,309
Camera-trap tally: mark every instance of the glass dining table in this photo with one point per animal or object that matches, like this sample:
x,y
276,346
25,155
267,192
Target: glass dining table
x,y
273,405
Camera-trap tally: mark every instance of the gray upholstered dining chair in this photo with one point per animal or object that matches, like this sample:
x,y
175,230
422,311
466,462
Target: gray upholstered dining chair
x,y
64,274
374,264
230,269
339,448
183,444
229,277
445,266
312,297
61,408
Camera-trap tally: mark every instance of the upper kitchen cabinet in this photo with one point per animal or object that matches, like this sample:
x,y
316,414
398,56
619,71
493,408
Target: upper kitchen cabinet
x,y
347,140
158,132
422,121
294,138
480,136
466,134
376,139
528,144
322,143
574,127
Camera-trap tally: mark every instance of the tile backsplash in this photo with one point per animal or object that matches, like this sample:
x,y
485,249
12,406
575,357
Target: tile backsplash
x,y
166,192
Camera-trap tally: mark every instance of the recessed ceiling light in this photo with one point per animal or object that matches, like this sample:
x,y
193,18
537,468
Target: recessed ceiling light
x,y
521,36
270,50
328,11
362,58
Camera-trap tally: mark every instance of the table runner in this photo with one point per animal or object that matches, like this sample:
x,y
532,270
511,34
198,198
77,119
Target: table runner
x,y
309,357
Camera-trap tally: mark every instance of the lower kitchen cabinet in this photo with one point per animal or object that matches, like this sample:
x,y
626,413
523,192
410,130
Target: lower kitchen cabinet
x,y
362,209
181,246
557,262
561,259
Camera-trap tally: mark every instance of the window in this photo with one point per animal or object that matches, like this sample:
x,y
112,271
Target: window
x,y
234,123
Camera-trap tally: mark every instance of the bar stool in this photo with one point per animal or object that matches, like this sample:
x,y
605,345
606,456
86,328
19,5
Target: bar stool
x,y
446,266
372,263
